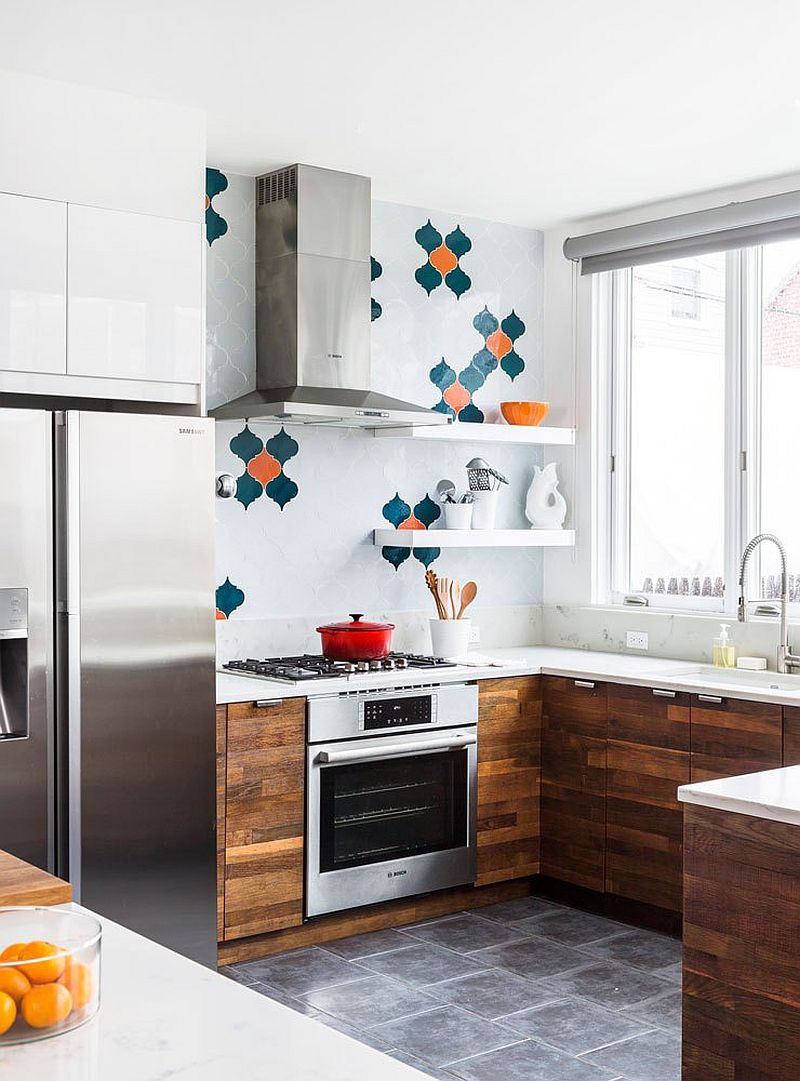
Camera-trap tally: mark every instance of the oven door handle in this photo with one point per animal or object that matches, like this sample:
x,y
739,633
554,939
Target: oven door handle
x,y
396,750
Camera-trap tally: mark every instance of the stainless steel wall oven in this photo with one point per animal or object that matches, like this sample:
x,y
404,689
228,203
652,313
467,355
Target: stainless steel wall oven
x,y
391,794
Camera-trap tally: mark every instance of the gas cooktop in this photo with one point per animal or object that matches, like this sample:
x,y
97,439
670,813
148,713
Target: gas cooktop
x,y
309,666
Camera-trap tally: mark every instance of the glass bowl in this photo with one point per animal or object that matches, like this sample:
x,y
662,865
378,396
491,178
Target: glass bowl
x,y
49,972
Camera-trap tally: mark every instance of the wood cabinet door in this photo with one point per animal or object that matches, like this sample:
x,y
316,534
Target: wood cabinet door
x,y
509,770
574,736
222,740
791,736
264,817
648,758
731,737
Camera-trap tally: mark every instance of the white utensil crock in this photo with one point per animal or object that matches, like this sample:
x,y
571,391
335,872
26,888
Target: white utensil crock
x,y
484,509
450,637
458,516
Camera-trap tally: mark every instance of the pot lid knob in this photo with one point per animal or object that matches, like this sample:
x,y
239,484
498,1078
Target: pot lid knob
x,y
356,616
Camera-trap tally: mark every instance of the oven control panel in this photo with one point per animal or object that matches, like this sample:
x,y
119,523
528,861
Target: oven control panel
x,y
400,712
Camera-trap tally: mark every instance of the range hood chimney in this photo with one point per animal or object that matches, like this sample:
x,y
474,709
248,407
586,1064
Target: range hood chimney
x,y
313,306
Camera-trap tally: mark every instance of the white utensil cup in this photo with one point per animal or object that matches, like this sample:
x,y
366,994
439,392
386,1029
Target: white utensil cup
x,y
458,516
484,509
450,637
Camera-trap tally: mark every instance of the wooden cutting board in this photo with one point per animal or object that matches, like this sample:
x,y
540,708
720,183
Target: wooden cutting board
x,y
23,884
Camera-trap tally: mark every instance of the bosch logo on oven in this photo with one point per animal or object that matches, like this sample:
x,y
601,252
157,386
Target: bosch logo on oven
x,y
396,874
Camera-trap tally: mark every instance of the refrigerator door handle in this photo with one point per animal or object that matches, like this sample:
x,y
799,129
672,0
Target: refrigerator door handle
x,y
71,664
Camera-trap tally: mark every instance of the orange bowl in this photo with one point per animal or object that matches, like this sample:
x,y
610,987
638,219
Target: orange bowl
x,y
524,412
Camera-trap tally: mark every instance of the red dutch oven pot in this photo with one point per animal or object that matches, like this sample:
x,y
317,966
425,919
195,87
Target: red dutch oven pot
x,y
356,641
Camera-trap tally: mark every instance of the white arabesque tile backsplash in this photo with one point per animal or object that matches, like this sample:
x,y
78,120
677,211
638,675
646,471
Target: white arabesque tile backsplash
x,y
314,558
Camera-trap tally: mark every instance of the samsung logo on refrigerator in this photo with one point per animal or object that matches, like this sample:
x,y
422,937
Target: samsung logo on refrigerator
x,y
190,431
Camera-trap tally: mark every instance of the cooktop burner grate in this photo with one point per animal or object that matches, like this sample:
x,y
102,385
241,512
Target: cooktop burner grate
x,y
309,666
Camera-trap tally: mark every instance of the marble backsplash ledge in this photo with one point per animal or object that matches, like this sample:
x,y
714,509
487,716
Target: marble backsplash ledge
x,y
504,625
672,635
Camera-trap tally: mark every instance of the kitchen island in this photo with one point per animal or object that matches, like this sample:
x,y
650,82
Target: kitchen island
x,y
163,1016
741,947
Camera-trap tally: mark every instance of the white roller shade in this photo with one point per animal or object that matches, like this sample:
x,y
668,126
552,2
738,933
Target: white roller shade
x,y
737,225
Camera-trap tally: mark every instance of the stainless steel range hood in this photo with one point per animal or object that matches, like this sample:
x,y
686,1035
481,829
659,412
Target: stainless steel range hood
x,y
313,306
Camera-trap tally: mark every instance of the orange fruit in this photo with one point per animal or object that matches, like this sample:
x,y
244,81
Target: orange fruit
x,y
14,983
8,1012
77,978
46,1005
44,971
12,952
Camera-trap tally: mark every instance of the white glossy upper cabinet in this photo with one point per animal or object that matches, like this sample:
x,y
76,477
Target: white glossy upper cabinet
x,y
33,281
134,296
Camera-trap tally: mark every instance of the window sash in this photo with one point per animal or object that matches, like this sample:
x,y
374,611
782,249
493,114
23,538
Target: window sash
x,y
742,417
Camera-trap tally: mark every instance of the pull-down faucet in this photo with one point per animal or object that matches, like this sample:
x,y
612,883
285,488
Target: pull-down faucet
x,y
786,659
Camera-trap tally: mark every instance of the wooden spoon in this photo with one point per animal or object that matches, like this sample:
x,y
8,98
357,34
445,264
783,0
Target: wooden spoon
x,y
468,595
431,582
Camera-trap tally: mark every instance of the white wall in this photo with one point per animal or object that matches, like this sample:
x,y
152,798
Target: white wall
x,y
82,145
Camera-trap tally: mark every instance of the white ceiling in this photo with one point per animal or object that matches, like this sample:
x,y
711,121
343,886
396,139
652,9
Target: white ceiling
x,y
517,110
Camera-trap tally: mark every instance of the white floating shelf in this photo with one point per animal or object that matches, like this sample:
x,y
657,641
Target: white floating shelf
x,y
474,538
483,433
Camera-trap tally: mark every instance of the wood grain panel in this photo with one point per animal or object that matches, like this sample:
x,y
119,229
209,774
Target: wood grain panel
x,y
373,918
264,817
741,991
509,770
222,737
23,884
791,736
733,737
574,730
648,758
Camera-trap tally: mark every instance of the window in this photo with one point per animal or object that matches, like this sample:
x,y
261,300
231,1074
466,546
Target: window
x,y
704,366
686,286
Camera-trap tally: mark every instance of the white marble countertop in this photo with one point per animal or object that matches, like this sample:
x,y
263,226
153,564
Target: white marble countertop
x,y
774,793
548,660
163,1016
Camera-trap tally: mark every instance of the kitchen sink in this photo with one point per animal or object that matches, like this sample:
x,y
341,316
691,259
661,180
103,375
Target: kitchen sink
x,y
738,677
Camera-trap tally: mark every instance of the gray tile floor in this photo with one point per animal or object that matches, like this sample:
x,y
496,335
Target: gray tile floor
x,y
521,991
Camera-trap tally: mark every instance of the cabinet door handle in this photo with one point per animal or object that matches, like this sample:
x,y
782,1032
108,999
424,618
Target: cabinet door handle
x,y
584,683
712,698
664,694
264,703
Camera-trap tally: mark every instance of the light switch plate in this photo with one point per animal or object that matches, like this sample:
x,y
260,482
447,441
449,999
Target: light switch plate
x,y
637,640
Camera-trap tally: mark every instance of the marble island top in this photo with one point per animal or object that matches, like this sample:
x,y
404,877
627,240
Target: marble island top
x,y
163,1016
535,660
773,793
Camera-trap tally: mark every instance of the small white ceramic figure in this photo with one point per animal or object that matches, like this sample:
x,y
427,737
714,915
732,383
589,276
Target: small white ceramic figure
x,y
545,506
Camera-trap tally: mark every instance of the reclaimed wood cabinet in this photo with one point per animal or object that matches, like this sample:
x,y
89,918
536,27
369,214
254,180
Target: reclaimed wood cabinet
x,y
647,759
509,774
264,817
731,736
791,736
574,731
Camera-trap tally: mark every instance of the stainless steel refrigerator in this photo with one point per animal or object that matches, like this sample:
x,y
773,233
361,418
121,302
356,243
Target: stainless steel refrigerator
x,y
107,756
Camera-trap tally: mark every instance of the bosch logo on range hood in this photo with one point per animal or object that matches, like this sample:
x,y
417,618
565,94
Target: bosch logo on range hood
x,y
313,306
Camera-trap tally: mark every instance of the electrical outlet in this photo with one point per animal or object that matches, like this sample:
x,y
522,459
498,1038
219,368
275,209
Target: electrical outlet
x,y
474,634
637,640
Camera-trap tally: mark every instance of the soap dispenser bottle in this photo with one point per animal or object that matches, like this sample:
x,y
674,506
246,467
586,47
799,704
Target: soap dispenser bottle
x,y
724,653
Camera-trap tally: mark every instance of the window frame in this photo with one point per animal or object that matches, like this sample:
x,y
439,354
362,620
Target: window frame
x,y
613,290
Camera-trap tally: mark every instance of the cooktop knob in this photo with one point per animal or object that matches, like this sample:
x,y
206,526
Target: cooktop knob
x,y
362,666
389,664
375,666
401,662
